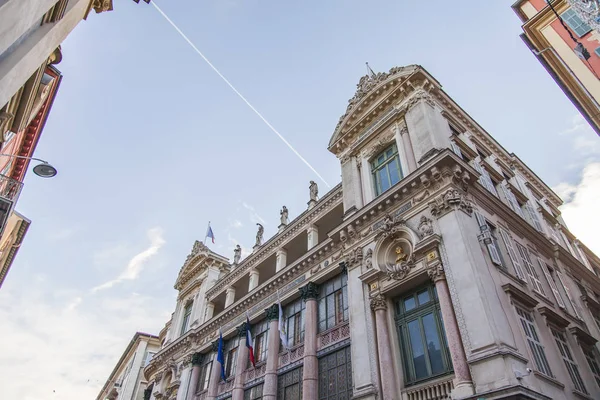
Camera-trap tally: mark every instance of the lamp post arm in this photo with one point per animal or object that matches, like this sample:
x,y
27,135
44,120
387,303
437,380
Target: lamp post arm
x,y
27,158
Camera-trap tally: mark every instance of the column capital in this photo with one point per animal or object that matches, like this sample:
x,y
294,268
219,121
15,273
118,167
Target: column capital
x,y
241,330
309,291
214,346
378,302
197,358
281,250
452,199
272,313
230,289
436,272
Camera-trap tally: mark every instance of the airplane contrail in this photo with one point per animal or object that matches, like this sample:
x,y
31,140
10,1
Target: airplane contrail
x,y
183,35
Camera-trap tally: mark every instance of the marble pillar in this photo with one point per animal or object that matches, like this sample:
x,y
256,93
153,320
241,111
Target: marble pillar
x,y
463,384
408,151
312,236
210,310
193,387
389,388
215,375
253,279
241,363
401,150
270,385
229,296
281,259
310,374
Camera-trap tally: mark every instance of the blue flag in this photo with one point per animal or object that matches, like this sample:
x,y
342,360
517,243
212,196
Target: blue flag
x,y
220,357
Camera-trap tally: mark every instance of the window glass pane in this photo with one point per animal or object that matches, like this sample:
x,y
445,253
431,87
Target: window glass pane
x,y
330,311
433,344
409,303
418,353
423,297
394,171
384,179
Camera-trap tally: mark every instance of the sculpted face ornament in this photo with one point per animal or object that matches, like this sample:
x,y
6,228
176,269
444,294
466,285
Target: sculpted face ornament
x,y
401,256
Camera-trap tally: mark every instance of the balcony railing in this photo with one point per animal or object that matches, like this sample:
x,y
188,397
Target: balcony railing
x,y
433,390
10,188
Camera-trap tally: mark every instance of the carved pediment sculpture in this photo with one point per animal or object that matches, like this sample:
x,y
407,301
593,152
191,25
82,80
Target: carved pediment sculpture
x,y
389,227
400,269
450,199
425,227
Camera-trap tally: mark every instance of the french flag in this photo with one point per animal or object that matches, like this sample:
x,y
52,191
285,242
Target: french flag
x,y
210,234
249,341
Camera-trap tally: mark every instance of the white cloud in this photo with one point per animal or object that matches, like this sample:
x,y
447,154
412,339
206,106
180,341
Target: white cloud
x,y
585,139
137,262
581,206
76,346
254,217
237,224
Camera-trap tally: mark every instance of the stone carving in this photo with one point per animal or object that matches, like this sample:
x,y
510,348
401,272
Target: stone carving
x,y
259,234
365,85
379,145
284,216
197,359
196,249
418,95
5,119
241,330
369,259
351,232
237,254
314,191
436,272
272,313
389,227
378,302
461,177
354,258
157,378
401,269
309,291
102,5
449,200
401,256
425,227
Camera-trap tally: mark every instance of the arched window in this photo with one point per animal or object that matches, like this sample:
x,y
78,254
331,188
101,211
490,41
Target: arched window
x,y
386,169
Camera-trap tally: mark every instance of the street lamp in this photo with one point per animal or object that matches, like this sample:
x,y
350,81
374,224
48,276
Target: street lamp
x,y
44,170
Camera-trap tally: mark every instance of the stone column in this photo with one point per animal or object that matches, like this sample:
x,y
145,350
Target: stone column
x,y
215,375
313,236
196,362
384,349
408,150
270,385
351,185
241,362
367,180
463,384
253,279
210,310
229,296
401,150
281,257
310,374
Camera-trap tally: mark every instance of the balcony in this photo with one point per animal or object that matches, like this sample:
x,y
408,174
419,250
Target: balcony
x,y
10,189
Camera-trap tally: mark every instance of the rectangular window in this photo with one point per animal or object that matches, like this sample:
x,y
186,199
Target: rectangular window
x,y
576,24
335,375
512,200
149,356
493,249
187,314
456,149
484,179
230,349
508,243
294,313
254,393
565,352
592,360
386,169
205,371
422,339
537,350
574,305
260,334
548,273
597,51
529,268
333,302
289,385
533,216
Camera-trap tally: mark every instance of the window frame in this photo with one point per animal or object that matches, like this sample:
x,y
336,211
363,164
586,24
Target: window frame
x,y
260,336
512,254
575,23
567,356
376,167
492,248
535,345
551,282
338,297
250,393
186,317
406,316
205,372
230,349
534,278
591,356
294,313
330,367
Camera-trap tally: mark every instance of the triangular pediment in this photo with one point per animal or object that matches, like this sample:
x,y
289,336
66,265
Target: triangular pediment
x,y
200,258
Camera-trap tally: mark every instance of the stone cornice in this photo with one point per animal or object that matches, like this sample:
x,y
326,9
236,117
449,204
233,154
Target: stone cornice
x,y
501,153
553,317
519,295
576,267
332,199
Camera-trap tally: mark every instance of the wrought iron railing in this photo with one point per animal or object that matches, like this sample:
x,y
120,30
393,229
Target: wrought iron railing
x,y
10,188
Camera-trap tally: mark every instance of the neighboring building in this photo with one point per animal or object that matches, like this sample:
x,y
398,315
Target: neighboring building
x,y
126,381
552,43
439,267
31,32
10,241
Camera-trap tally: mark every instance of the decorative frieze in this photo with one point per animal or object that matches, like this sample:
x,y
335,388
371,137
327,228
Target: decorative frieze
x,y
333,336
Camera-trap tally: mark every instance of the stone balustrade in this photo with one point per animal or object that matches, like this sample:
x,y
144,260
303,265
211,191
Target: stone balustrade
x,y
436,390
333,335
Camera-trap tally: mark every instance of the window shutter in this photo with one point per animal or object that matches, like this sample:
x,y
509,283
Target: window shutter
x,y
533,277
533,216
492,250
456,149
551,283
574,306
512,254
512,201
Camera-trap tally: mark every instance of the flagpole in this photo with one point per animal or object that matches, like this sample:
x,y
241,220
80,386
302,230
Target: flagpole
x,y
206,237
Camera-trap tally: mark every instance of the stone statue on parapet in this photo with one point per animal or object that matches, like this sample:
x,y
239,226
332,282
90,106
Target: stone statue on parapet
x,y
284,215
237,254
314,191
259,234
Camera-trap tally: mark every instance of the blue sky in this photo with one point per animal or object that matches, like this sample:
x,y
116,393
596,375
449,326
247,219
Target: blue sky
x,y
150,145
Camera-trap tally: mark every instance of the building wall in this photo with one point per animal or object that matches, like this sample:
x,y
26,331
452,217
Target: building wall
x,y
459,210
